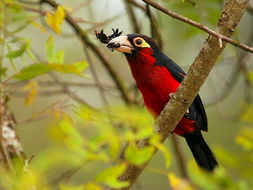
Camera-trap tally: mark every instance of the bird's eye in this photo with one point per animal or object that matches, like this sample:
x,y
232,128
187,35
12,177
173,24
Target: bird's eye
x,y
138,41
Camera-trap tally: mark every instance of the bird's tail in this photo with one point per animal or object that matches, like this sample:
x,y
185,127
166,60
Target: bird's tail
x,y
201,151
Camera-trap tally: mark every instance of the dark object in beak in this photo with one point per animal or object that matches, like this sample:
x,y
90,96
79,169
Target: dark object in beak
x,y
113,45
104,38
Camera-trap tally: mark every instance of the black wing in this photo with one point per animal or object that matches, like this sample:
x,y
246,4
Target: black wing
x,y
196,110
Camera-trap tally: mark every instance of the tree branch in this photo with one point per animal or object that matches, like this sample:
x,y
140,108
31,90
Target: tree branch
x,y
137,5
250,9
68,83
10,145
132,16
180,157
65,88
202,27
189,88
154,28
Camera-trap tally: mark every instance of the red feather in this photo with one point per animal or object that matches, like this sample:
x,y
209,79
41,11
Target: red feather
x,y
156,82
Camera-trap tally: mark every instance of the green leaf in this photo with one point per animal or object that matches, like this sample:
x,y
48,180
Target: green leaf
x,y
31,55
53,56
202,178
73,138
247,114
245,138
59,57
17,53
67,187
22,27
114,146
155,141
3,71
179,183
138,156
110,177
50,49
92,186
75,68
226,157
40,68
32,71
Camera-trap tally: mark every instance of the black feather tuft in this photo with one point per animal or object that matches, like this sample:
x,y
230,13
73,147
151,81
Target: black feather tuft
x,y
201,151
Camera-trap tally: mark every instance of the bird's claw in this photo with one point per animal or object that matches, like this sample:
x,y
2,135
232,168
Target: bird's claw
x,y
171,95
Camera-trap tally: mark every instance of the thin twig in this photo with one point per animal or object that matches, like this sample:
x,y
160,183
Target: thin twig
x,y
29,2
250,9
45,113
138,5
96,78
180,157
53,84
154,28
231,82
31,9
72,95
65,88
81,5
64,177
201,26
132,16
41,93
190,2
240,67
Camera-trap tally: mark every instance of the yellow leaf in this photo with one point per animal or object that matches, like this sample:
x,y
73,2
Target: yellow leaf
x,y
155,141
174,180
67,187
178,183
74,68
59,114
56,19
114,146
92,186
32,88
247,115
245,138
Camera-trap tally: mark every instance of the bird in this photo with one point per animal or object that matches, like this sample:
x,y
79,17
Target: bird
x,y
157,78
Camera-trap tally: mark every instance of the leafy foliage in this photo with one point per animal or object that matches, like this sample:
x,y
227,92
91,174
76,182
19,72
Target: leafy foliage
x,y
110,176
55,63
32,71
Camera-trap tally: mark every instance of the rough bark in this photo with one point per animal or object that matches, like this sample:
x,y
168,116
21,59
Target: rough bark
x,y
10,146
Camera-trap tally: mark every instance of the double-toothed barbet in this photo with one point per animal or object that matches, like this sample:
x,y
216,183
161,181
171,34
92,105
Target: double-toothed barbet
x,y
157,77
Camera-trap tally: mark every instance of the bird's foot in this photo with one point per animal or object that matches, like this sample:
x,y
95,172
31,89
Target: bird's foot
x,y
171,94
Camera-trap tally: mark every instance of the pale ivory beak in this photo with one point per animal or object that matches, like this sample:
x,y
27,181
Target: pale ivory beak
x,y
120,44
